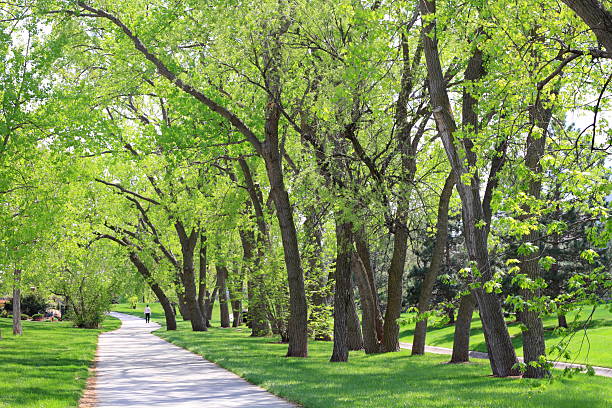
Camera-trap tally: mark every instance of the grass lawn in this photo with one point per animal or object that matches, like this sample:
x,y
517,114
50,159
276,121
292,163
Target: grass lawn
x,y
384,380
48,366
594,348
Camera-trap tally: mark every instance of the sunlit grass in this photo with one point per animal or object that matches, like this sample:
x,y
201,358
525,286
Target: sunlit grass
x,y
385,380
48,366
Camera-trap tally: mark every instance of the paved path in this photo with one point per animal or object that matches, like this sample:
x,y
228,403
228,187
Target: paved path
x,y
603,371
137,369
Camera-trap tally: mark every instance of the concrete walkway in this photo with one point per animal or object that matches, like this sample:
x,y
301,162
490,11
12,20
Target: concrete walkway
x,y
603,371
137,369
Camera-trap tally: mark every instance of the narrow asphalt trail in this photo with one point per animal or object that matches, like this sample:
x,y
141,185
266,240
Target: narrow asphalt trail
x,y
136,369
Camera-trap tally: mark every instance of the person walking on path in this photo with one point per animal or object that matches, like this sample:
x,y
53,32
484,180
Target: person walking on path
x,y
147,313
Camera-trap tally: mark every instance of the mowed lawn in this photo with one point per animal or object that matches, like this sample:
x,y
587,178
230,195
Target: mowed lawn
x,y
586,347
384,380
48,366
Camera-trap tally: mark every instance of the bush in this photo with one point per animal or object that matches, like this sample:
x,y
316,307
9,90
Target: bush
x,y
37,316
31,304
25,316
4,313
89,298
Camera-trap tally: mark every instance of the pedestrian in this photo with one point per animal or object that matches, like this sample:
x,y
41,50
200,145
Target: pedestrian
x,y
147,313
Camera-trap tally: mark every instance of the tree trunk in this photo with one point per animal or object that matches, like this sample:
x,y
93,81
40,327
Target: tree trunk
x,y
258,322
394,289
368,320
157,290
562,320
17,330
364,254
188,244
354,336
211,302
420,331
182,305
235,287
202,280
223,301
597,17
342,296
502,355
461,339
533,337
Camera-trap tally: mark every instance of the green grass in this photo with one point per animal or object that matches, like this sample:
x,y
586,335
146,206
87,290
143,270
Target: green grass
x,y
594,348
48,366
384,380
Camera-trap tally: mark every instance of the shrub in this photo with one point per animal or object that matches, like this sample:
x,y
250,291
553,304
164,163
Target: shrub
x,y
25,316
31,304
37,316
4,313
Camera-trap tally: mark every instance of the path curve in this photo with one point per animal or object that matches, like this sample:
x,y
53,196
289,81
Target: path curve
x,y
602,371
136,369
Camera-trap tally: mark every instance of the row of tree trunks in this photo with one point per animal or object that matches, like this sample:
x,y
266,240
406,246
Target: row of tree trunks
x,y
235,289
269,150
420,331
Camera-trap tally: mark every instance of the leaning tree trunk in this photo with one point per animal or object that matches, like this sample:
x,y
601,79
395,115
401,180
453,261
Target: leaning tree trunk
x,y
223,301
420,331
371,342
354,336
461,338
157,290
597,17
210,302
342,296
17,330
502,355
394,287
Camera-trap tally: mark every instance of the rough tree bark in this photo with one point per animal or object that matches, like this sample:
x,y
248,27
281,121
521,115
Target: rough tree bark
x,y
371,342
17,329
223,301
203,266
420,331
354,338
461,338
188,245
502,355
363,251
342,296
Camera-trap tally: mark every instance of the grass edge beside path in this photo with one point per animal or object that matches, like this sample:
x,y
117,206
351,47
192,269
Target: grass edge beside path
x,y
384,380
50,365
